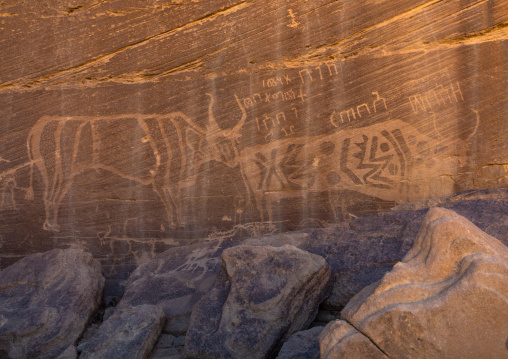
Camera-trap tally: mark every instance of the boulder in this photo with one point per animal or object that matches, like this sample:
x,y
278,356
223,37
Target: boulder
x,y
69,353
168,347
46,301
128,333
358,255
175,280
340,340
262,295
447,298
303,345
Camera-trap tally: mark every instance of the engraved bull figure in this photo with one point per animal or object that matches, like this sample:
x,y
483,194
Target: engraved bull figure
x,y
164,151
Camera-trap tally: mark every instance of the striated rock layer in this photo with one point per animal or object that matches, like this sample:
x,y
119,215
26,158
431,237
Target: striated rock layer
x,y
46,302
447,298
131,126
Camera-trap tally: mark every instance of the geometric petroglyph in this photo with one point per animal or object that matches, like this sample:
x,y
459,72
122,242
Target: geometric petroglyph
x,y
376,160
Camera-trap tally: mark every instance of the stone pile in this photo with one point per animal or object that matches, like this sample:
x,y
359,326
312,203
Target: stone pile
x,y
446,298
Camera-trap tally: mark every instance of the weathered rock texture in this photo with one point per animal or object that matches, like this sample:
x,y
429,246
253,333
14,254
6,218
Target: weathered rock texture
x,y
168,347
448,297
358,255
175,280
69,353
129,126
46,301
128,333
304,345
262,296
340,340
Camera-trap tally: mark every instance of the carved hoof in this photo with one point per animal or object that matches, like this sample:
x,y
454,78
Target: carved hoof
x,y
29,194
47,226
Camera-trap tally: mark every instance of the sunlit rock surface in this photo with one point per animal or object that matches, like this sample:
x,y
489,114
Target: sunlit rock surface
x,y
447,298
341,340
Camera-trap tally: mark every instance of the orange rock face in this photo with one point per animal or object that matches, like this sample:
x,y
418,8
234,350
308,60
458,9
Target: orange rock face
x,y
127,127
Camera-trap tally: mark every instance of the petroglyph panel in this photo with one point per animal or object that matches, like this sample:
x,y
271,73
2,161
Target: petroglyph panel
x,y
127,127
161,151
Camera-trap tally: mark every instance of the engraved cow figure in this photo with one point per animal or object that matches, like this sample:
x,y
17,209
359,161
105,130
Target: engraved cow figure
x,y
384,160
164,151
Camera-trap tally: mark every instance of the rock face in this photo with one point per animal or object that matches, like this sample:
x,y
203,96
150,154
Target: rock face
x,y
340,340
69,353
302,345
262,296
168,347
175,280
358,255
46,301
448,297
128,333
130,126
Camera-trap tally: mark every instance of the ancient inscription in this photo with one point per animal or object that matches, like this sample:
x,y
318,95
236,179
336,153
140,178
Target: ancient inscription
x,y
285,95
438,99
355,113
277,81
273,125
293,23
322,72
435,98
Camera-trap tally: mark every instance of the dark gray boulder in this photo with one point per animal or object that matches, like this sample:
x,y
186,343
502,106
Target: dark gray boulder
x,y
128,333
175,280
46,301
261,297
302,345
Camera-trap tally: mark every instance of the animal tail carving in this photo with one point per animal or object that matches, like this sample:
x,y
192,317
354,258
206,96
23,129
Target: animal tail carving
x,y
29,194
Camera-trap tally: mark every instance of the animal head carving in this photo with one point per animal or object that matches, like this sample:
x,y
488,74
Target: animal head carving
x,y
223,143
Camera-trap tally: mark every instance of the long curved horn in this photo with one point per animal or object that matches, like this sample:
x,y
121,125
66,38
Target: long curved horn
x,y
476,126
213,125
235,131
